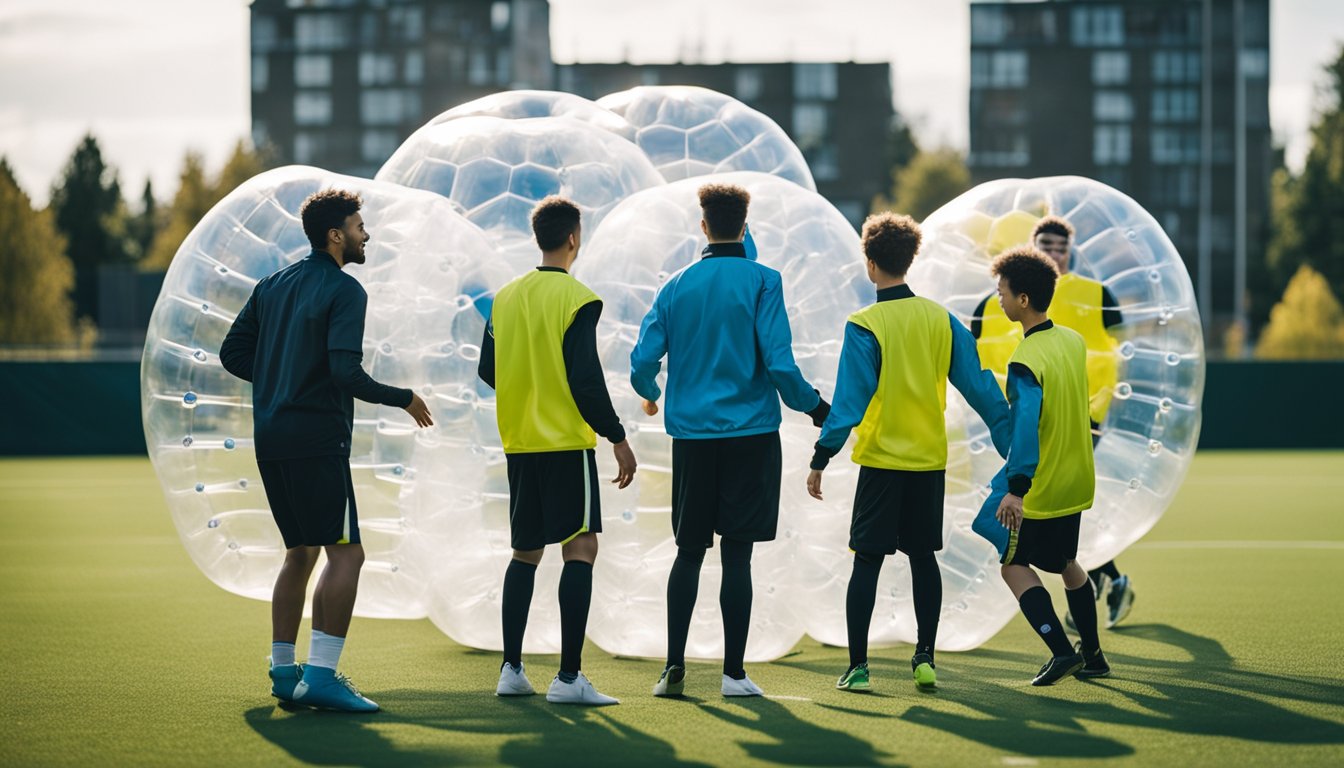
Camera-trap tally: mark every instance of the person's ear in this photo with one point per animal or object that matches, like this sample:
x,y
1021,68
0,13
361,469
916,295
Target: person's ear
x,y
704,227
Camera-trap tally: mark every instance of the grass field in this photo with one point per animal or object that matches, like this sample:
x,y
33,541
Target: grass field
x,y
117,651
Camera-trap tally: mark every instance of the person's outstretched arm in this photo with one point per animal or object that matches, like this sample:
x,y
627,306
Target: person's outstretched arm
x,y
774,342
978,386
583,370
855,385
1024,394
345,352
238,353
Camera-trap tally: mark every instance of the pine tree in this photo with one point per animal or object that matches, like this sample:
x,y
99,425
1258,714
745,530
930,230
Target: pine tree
x,y
35,305
90,214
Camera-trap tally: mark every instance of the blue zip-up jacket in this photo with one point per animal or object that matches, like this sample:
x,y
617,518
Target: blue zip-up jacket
x,y
721,324
861,365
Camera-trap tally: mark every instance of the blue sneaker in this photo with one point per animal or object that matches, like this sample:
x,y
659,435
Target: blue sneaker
x,y
322,688
283,680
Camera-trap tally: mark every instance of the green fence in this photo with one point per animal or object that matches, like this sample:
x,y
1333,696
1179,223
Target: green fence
x,y
93,408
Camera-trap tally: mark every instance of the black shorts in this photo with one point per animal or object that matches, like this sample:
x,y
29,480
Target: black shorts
x,y
553,497
726,485
896,509
1048,544
312,500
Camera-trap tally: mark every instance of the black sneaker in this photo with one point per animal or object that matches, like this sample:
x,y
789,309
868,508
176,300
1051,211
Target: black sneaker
x,y
1058,668
1094,665
1118,601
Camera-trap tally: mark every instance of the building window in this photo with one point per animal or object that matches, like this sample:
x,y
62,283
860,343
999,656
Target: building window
x,y
1008,69
1098,25
648,76
1175,66
811,125
261,73
747,83
499,16
264,34
321,31
1177,187
988,24
1110,68
1001,148
503,66
1255,63
1112,105
1171,146
312,70
377,69
389,106
261,136
1110,145
478,70
312,108
814,81
1175,105
823,162
309,147
405,25
414,71
378,146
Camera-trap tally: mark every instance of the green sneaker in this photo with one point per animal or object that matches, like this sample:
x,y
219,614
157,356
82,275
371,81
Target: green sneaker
x,y
855,679
926,677
672,683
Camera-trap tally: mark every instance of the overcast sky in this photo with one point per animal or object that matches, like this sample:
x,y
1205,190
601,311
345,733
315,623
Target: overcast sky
x,y
154,78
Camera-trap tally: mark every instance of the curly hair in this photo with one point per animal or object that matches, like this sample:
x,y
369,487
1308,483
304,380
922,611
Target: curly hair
x,y
1028,271
327,210
890,240
724,207
1052,225
553,220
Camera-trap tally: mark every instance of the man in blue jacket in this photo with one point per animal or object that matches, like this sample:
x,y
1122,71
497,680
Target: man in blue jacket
x,y
722,325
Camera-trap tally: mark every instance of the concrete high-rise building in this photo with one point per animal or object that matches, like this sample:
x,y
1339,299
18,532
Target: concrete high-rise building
x,y
1166,100
341,83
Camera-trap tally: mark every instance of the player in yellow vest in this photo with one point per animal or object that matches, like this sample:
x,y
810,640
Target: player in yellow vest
x,y
898,355
539,352
1048,479
1089,308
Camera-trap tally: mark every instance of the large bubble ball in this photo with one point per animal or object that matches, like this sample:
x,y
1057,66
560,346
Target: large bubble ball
x,y
495,170
689,131
644,241
426,268
1155,357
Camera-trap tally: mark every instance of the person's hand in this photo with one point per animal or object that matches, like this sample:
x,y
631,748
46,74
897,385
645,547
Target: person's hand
x,y
814,484
419,411
650,407
1010,512
625,462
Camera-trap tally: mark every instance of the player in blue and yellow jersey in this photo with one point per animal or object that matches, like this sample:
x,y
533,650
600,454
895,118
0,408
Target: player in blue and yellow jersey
x,y
897,358
721,324
1088,307
1048,479
539,352
299,340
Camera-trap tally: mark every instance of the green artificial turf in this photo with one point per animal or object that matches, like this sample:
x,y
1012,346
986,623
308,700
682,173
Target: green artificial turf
x,y
117,651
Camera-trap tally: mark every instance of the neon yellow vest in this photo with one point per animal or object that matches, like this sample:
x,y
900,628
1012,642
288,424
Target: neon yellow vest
x,y
904,427
1065,478
1077,305
534,407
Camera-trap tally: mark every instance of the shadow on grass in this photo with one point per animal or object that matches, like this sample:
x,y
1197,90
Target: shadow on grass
x,y
536,734
1206,695
795,741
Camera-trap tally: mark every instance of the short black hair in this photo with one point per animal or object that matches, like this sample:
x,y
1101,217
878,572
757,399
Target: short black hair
x,y
327,210
1028,271
1052,225
890,240
724,207
553,221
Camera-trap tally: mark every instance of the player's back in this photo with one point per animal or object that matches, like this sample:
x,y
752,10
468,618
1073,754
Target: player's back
x,y
1065,479
297,408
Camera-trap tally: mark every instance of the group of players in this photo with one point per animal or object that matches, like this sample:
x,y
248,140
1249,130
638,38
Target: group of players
x,y
722,326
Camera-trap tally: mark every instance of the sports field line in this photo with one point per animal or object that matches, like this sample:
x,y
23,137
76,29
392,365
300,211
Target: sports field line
x,y
1234,544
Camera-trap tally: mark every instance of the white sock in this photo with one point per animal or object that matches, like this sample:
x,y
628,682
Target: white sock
x,y
325,650
282,654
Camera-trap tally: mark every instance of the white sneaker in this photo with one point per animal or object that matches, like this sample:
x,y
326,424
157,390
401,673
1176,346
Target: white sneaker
x,y
578,692
513,682
743,687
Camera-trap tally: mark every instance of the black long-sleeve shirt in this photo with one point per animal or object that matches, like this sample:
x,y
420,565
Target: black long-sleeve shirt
x,y
583,371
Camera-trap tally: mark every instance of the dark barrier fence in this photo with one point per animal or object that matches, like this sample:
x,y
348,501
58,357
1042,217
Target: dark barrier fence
x,y
93,408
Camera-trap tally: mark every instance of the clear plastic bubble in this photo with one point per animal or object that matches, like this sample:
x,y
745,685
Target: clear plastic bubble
x,y
1159,358
817,252
523,104
253,232
688,131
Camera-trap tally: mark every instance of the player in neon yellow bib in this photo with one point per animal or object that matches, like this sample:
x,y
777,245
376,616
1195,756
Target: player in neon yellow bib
x,y
1049,478
1089,308
539,352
